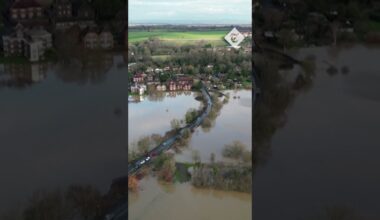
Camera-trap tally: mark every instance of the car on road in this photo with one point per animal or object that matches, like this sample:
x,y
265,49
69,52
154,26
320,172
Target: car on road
x,y
142,162
147,159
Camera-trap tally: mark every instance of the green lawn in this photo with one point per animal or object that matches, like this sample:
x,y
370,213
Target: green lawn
x,y
177,37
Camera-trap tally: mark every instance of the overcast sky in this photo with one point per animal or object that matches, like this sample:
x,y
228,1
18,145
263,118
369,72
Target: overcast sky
x,y
190,11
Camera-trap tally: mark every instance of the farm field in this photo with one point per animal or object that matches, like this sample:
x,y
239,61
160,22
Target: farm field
x,y
214,38
161,57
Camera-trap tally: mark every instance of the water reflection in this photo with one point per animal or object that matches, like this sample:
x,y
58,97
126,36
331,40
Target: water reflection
x,y
315,137
74,202
22,75
62,145
153,115
279,92
92,67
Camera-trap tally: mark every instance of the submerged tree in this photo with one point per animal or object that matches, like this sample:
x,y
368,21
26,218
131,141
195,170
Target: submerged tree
x,y
234,150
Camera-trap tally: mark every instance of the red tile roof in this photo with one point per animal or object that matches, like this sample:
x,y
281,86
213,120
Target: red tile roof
x,y
26,4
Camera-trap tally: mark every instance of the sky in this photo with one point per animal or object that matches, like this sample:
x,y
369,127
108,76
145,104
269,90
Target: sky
x,y
189,11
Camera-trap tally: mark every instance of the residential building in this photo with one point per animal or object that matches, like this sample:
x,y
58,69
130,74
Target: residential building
x,y
63,14
106,40
95,39
172,85
138,78
150,78
247,34
149,69
25,10
91,39
184,80
66,14
181,83
63,9
28,12
85,12
158,70
161,87
31,43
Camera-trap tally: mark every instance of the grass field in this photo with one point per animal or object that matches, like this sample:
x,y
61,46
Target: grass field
x,y
161,57
215,38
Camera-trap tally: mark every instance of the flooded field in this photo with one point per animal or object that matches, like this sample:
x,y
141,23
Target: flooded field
x,y
325,158
153,116
160,200
233,123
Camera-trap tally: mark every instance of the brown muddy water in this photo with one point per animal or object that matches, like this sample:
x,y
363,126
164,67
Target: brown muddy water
x,y
325,159
158,200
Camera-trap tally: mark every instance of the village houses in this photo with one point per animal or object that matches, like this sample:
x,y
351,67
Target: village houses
x,y
139,78
98,39
31,43
161,87
25,10
63,9
66,16
181,82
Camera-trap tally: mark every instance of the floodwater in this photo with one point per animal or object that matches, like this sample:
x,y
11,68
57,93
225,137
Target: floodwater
x,y
327,153
153,115
157,200
61,125
233,124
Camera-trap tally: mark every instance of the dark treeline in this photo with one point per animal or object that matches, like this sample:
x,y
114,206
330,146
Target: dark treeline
x,y
297,22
